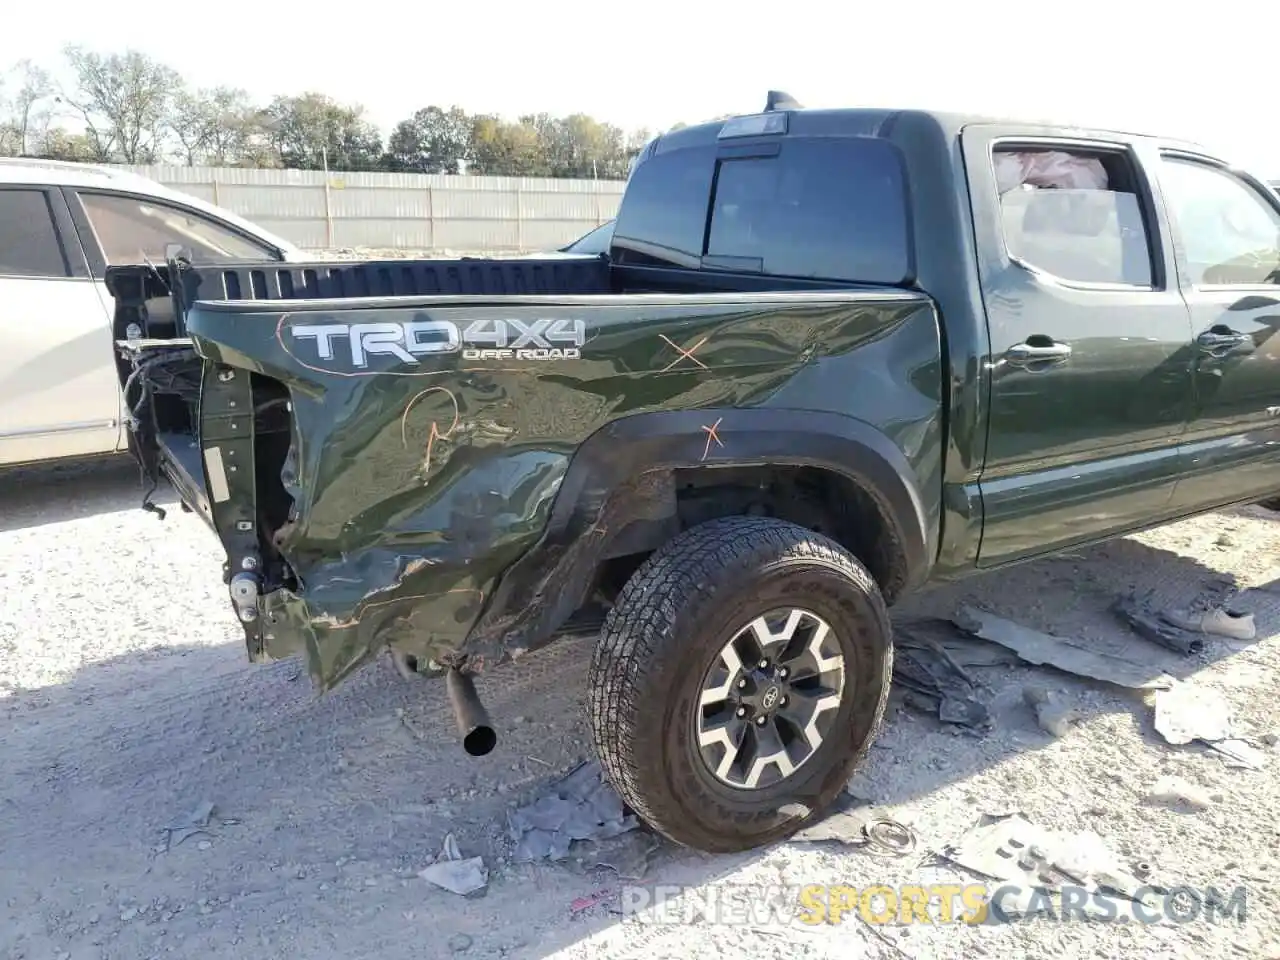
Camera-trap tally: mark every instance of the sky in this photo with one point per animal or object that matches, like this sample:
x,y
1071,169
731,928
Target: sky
x,y
1193,72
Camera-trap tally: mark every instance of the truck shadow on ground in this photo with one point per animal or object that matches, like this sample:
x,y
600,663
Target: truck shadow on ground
x,y
31,496
326,807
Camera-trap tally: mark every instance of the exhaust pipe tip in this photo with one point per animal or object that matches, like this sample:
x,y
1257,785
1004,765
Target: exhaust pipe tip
x,y
477,733
480,741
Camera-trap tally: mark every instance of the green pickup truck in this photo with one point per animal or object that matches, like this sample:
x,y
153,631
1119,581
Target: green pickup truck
x,y
831,356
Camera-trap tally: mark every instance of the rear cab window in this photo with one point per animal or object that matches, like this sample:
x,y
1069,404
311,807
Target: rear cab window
x,y
809,207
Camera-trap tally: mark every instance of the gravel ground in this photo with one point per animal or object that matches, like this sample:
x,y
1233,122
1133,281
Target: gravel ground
x,y
126,701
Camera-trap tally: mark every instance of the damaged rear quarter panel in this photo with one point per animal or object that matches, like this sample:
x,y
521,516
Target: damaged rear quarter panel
x,y
417,485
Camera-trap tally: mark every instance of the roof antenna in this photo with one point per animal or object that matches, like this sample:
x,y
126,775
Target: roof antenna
x,y
777,100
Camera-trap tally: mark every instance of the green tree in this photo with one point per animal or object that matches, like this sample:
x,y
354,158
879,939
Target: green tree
x,y
307,131
57,144
433,140
504,149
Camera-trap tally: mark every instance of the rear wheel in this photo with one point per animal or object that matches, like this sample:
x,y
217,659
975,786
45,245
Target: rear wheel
x,y
739,680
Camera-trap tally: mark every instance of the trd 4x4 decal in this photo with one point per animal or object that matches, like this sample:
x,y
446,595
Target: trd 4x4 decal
x,y
537,339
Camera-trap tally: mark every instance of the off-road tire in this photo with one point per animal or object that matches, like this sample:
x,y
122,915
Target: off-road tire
x,y
669,622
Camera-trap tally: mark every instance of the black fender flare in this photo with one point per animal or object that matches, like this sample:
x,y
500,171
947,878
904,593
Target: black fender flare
x,y
614,477
629,446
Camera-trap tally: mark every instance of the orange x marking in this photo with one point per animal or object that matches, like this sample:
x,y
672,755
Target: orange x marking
x,y
712,435
684,353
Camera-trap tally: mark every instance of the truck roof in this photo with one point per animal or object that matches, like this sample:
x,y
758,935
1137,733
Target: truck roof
x,y
878,122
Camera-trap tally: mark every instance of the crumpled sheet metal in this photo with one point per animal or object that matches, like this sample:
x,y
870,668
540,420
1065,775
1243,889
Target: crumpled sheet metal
x,y
581,806
1038,649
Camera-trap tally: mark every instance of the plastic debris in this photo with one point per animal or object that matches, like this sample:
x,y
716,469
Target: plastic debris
x,y
1183,631
1138,614
928,662
195,822
455,874
1044,649
463,877
581,806
1017,851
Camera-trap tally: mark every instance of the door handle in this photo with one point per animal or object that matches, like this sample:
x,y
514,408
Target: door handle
x,y
1047,352
1218,338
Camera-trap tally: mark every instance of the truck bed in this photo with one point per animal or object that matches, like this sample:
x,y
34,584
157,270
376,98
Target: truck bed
x,y
340,280
165,397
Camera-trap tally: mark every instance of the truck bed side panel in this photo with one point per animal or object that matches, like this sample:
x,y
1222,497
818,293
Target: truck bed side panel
x,y
416,485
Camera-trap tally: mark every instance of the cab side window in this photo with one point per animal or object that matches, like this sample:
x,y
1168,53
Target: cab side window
x,y
1230,233
138,229
29,244
1074,214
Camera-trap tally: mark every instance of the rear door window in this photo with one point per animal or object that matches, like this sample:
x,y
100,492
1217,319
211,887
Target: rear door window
x,y
138,229
29,244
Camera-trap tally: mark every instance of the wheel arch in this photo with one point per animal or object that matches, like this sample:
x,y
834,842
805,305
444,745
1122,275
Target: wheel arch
x,y
623,478
719,439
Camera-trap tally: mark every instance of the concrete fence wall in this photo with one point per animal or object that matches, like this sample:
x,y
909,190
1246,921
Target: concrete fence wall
x,y
403,210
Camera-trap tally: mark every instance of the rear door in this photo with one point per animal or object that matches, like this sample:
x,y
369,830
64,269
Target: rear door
x,y
59,392
1090,340
1228,242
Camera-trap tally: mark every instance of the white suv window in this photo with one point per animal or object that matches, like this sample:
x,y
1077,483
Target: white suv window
x,y
29,245
1230,232
135,229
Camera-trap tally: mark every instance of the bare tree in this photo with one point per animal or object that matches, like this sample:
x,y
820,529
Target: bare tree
x,y
28,109
125,100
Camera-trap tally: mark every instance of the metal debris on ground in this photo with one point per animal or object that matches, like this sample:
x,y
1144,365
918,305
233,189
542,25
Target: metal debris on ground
x,y
925,664
1187,713
852,821
580,806
454,873
1044,649
1015,850
197,821
1053,716
1240,754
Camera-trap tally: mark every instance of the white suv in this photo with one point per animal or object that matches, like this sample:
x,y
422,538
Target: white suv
x,y
61,225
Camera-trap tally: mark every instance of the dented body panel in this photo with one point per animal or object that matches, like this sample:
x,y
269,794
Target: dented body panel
x,y
451,497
